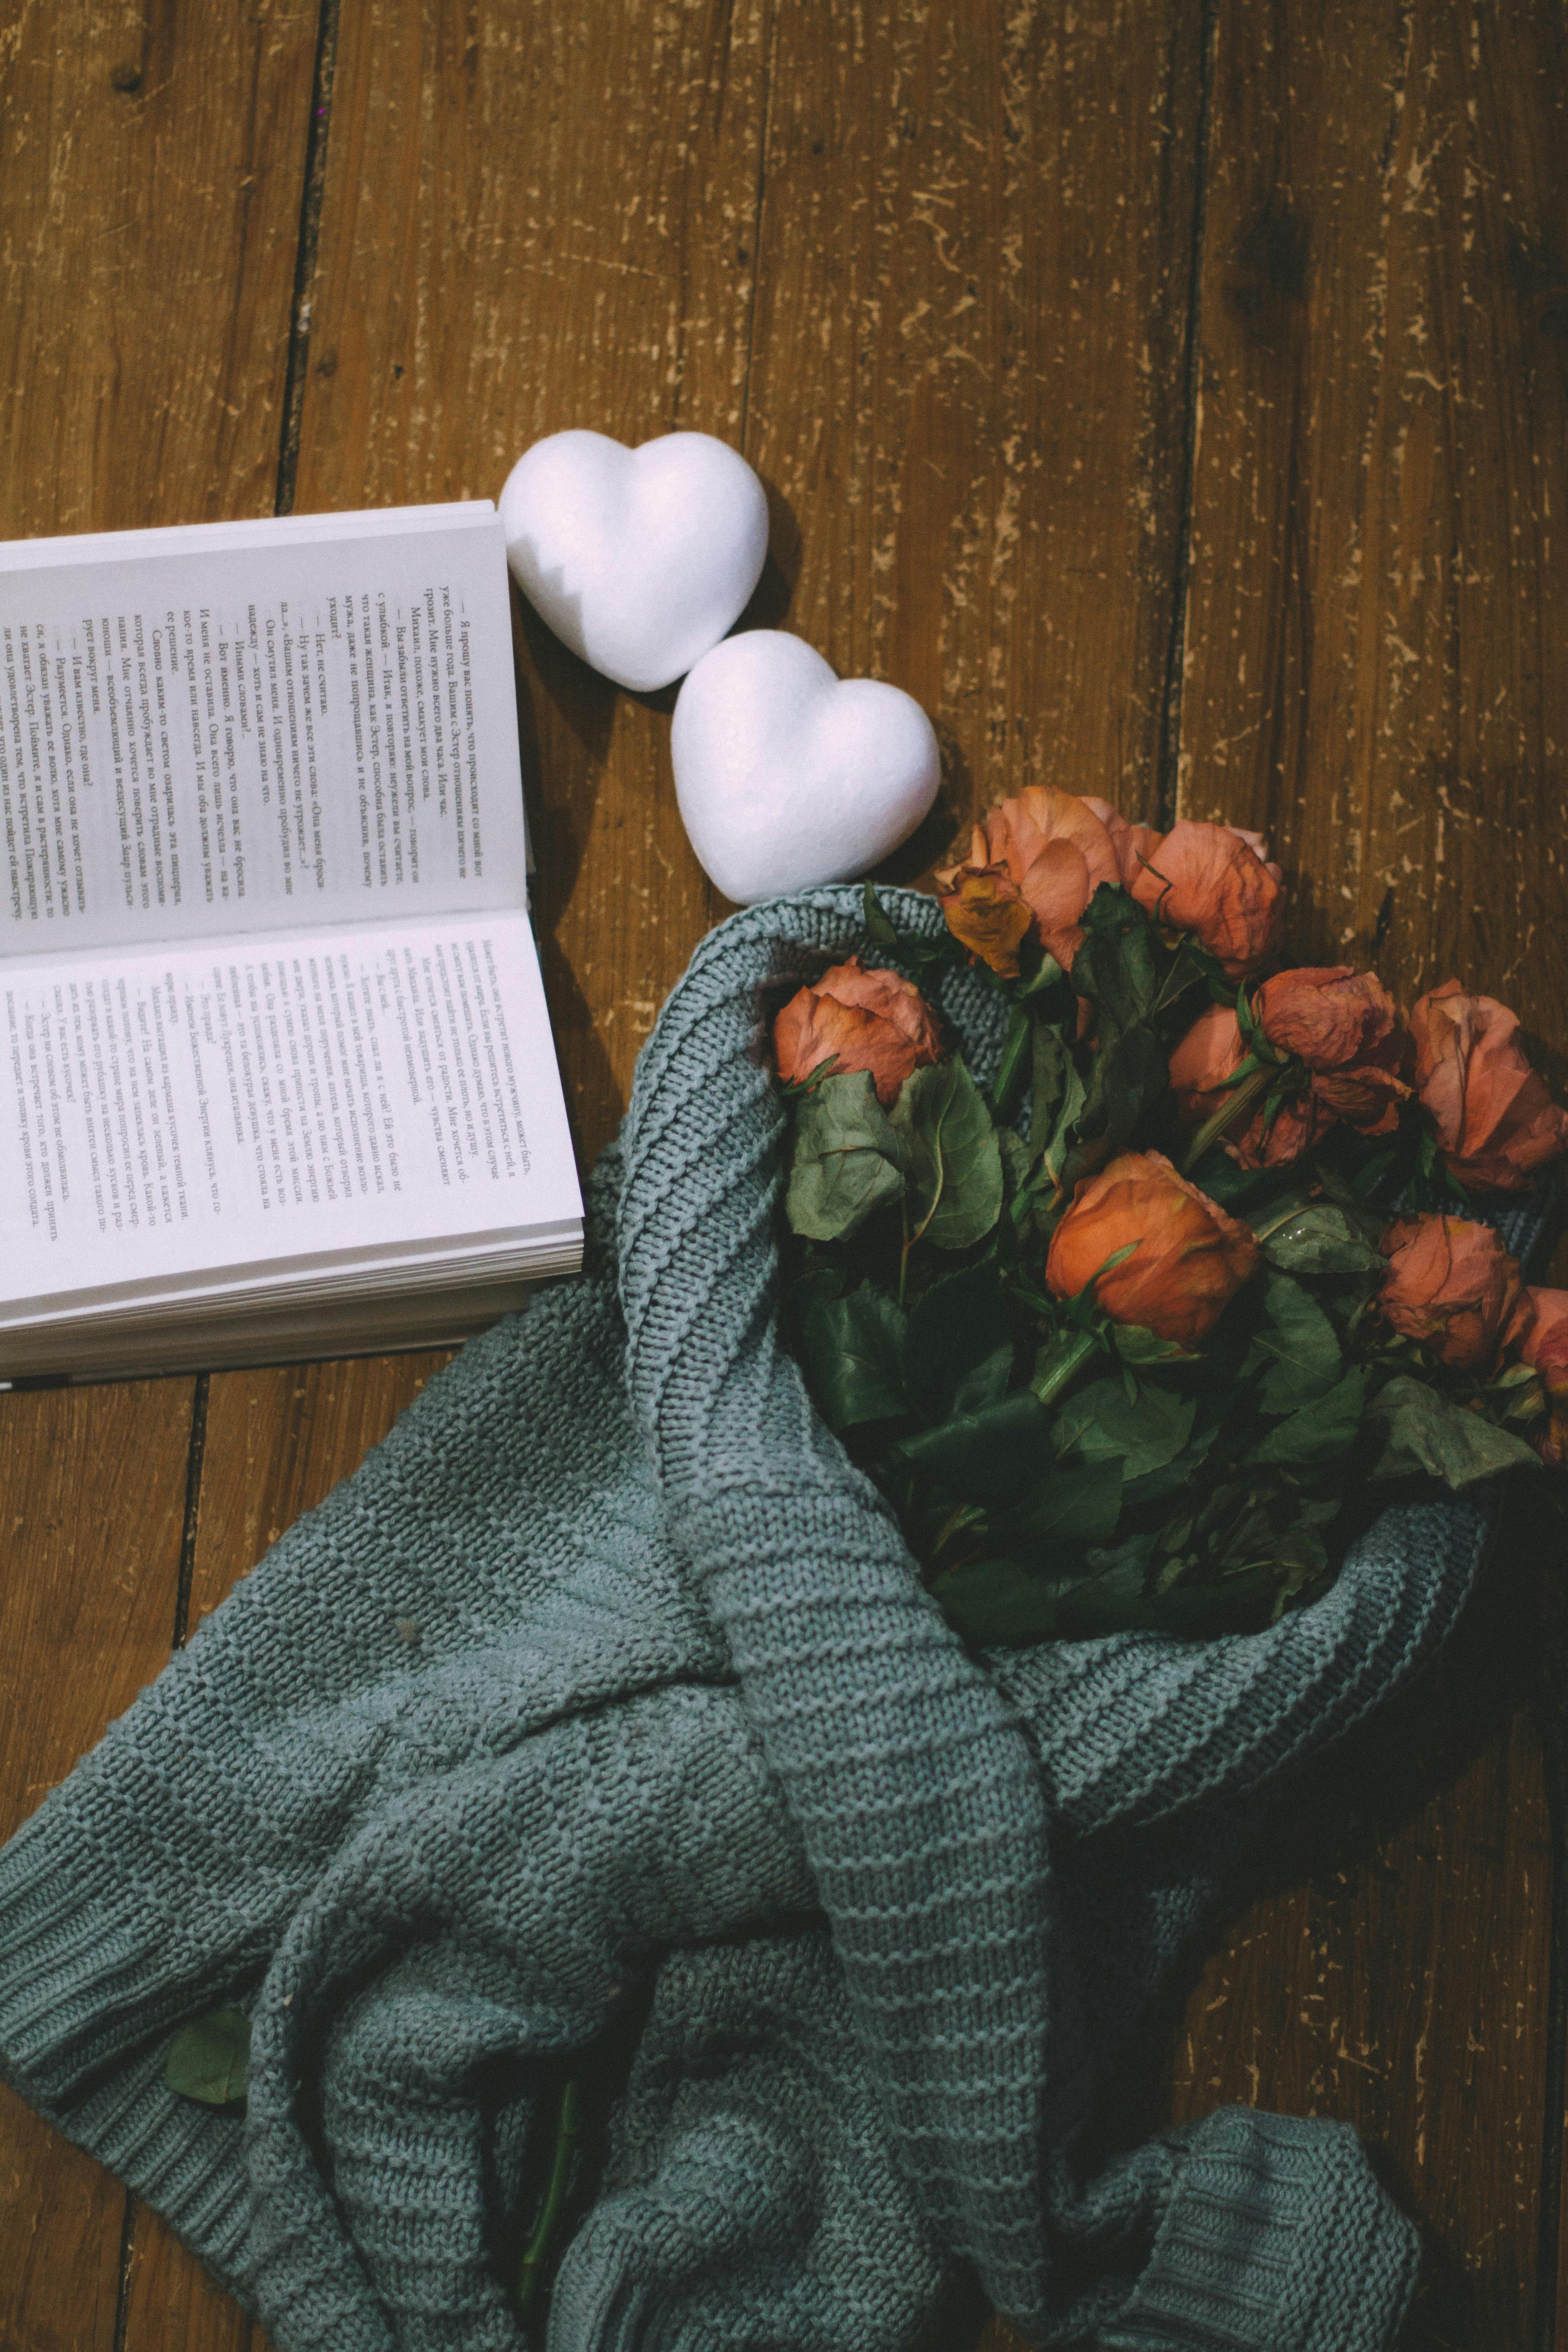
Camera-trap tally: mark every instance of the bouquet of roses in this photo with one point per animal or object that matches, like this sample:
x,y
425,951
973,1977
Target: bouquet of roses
x,y
1140,1335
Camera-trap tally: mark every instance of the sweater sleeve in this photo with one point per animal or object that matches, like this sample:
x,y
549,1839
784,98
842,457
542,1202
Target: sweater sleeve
x,y
498,1564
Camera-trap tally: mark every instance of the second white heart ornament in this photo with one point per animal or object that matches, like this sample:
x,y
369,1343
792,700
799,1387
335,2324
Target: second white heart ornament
x,y
638,559
788,776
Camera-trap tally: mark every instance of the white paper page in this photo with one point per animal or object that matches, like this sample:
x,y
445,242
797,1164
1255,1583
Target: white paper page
x,y
239,727
255,530
204,1113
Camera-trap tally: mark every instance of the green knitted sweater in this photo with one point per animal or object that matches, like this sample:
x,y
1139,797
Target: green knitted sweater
x,y
605,1701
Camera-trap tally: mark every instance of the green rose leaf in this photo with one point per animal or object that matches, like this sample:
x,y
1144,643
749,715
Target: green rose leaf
x,y
854,1353
986,1454
1059,1096
1297,1350
877,920
1116,967
1135,1345
1110,1595
1167,1477
1100,1424
1317,1238
948,1144
210,2060
1517,1396
1425,1432
1007,1601
847,1160
996,1601
958,1349
1015,1161
1322,1431
1130,1079
1080,1506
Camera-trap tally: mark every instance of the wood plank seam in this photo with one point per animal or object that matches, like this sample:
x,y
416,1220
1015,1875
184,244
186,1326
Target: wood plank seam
x,y
1170,734
317,132
194,1457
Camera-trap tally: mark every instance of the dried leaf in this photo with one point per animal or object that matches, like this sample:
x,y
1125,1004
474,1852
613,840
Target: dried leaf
x,y
210,2060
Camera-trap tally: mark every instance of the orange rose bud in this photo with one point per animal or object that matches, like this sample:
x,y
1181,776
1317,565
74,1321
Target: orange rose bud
x,y
983,911
1546,1349
1496,1122
1189,1261
1452,1285
862,1019
1211,880
1343,1025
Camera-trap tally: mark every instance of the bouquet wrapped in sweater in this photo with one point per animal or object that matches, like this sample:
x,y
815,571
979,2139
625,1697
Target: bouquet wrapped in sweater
x,y
1143,1334
581,1888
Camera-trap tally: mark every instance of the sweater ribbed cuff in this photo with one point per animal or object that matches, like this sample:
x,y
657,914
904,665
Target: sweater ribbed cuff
x,y
1276,2239
84,2027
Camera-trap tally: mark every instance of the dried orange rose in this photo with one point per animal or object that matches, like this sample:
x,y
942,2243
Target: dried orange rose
x,y
1545,1347
984,910
1211,1051
1329,1015
1452,1285
1189,1261
1496,1122
1343,1025
1213,881
1133,844
1054,851
862,1019
1203,1059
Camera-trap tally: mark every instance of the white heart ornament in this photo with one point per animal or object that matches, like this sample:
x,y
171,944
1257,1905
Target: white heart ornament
x,y
786,775
638,559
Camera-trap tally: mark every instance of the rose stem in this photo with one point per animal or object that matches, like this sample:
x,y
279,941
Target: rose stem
x,y
554,2196
1062,1376
1246,1095
1008,1083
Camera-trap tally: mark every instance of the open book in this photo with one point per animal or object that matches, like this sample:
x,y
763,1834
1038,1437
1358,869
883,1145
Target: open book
x,y
278,1073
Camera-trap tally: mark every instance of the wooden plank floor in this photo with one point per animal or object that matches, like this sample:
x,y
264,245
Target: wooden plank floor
x,y
1173,395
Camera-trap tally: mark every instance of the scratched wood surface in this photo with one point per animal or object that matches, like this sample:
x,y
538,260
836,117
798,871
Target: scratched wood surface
x,y
1376,574
1171,396
149,183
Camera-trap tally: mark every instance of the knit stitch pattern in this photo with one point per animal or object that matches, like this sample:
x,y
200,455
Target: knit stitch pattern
x,y
606,1693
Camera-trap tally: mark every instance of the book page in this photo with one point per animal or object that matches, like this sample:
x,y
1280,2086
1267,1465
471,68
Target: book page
x,y
202,1116
223,732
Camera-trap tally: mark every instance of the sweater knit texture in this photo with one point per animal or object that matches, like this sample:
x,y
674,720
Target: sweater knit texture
x,y
604,1708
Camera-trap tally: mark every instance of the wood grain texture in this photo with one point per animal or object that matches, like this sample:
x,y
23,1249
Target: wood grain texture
x,y
150,187
90,1546
967,382
1379,571
1374,576
149,191
172,2305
